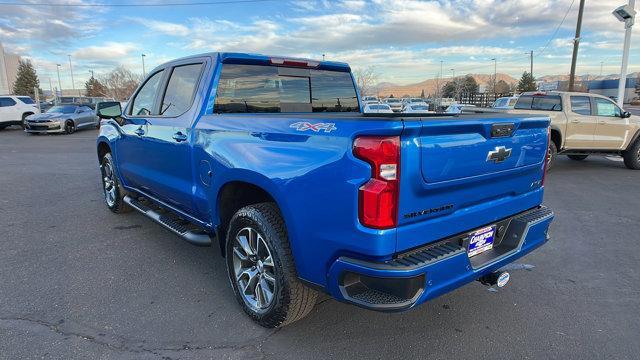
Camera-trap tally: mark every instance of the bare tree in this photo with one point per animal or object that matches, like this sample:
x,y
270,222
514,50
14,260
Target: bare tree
x,y
120,83
366,78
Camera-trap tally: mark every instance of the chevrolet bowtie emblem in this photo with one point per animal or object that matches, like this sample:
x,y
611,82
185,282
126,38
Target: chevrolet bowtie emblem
x,y
499,155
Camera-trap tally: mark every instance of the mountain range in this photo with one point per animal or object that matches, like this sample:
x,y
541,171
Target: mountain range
x,y
429,86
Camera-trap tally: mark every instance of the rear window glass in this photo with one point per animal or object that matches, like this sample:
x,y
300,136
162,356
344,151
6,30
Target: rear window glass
x,y
419,107
26,100
581,105
539,102
272,89
379,107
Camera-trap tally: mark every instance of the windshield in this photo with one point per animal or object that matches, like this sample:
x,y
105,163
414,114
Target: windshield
x,y
393,100
65,109
419,107
379,107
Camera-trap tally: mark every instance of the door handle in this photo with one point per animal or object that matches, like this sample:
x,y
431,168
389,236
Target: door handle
x,y
179,136
139,131
602,122
575,121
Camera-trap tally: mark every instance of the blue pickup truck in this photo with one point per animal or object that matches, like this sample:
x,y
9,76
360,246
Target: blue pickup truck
x,y
272,159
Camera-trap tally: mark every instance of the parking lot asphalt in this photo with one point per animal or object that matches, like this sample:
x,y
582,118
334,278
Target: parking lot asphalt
x,y
81,282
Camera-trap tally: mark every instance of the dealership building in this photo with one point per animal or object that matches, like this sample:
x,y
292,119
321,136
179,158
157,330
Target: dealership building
x,y
8,70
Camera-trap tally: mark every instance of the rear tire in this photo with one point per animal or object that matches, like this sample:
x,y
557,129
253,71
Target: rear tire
x,y
552,153
113,191
577,157
631,156
259,261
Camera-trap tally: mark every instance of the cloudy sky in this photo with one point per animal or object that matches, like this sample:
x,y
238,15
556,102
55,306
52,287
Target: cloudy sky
x,y
405,40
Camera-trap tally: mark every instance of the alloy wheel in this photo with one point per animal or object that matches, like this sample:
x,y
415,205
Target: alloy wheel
x,y
254,269
109,183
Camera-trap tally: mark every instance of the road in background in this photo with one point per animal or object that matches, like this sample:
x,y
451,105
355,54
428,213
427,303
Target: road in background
x,y
81,282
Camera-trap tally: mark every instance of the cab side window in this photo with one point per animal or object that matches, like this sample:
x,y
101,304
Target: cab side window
x,y
181,89
606,107
6,102
581,105
144,100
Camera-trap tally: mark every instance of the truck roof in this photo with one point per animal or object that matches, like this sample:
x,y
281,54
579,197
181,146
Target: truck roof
x,y
261,59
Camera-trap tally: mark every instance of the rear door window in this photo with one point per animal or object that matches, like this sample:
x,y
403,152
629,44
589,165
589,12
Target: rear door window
x,y
143,103
581,105
6,102
258,88
178,97
539,102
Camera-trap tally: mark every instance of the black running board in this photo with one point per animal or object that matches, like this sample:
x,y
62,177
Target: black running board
x,y
171,222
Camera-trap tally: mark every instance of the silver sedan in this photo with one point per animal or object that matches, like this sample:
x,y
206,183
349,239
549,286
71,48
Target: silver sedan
x,y
62,119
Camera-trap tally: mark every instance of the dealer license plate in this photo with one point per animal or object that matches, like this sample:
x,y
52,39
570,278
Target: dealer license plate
x,y
481,240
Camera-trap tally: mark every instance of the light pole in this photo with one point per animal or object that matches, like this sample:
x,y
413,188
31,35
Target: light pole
x,y
531,66
73,85
143,70
626,14
495,74
59,83
601,63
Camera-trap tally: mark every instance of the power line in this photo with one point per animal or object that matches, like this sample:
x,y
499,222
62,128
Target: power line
x,y
556,31
201,3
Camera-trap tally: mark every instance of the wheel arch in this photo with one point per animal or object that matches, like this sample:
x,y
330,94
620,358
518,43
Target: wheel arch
x,y
234,195
556,137
103,148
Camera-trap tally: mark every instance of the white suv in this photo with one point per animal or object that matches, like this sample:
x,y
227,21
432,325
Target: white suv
x,y
14,109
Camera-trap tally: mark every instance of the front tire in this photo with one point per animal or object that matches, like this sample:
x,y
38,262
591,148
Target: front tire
x,y
631,156
69,127
113,191
577,157
261,268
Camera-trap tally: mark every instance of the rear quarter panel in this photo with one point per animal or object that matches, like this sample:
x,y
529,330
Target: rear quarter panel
x,y
313,177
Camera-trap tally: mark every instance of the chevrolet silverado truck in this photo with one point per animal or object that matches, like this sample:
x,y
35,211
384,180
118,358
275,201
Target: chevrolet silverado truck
x,y
584,124
272,159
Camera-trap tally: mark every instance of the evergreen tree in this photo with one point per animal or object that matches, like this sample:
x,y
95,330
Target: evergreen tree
x,y
422,94
95,88
527,83
26,80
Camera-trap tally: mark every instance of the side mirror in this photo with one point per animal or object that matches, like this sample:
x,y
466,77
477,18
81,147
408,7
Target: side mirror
x,y
626,114
108,110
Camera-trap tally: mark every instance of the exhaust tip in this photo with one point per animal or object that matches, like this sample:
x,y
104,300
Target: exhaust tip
x,y
498,278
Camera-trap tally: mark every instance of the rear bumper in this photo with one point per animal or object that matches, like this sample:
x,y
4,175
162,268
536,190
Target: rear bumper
x,y
421,274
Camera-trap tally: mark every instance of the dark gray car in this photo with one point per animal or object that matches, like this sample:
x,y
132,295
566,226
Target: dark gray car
x,y
62,119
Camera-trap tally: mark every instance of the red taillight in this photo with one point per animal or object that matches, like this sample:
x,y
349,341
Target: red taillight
x,y
378,198
546,157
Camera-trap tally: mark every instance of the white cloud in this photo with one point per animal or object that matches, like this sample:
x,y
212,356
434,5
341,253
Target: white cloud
x,y
107,51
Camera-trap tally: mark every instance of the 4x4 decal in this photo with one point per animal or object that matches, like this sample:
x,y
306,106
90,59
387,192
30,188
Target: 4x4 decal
x,y
317,127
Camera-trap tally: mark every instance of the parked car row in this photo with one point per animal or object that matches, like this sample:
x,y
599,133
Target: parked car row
x,y
371,104
64,118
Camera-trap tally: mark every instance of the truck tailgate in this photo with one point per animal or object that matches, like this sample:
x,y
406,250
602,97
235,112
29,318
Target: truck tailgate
x,y
460,174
